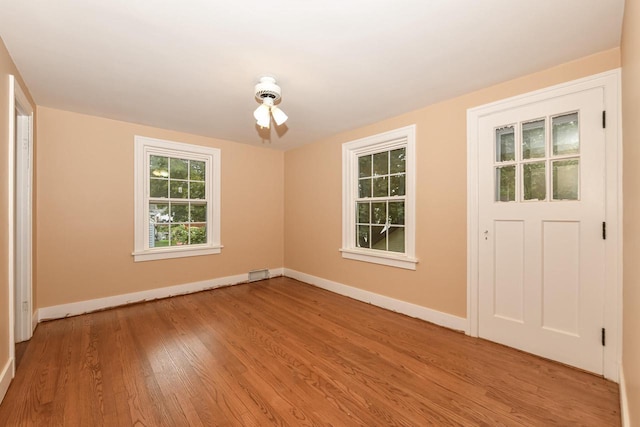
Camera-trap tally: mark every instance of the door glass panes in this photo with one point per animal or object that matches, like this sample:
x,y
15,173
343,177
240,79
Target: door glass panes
x,y
505,144
566,179
533,140
566,135
538,160
506,184
534,181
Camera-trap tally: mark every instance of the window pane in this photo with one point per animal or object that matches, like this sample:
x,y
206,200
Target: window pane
x,y
533,146
363,213
196,190
179,212
506,184
566,179
505,144
396,213
379,213
198,234
364,187
158,167
534,181
179,169
363,236
566,138
198,170
159,212
396,239
364,166
158,188
178,189
198,213
398,160
381,163
160,236
179,235
379,237
397,185
381,186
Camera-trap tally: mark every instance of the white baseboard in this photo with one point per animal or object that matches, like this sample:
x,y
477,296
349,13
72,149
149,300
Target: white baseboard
x,y
5,377
413,310
81,307
276,272
624,403
34,320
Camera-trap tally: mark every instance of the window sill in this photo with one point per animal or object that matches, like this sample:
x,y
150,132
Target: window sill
x,y
155,254
399,261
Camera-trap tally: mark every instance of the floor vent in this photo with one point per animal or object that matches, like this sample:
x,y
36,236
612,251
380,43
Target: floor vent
x,y
256,275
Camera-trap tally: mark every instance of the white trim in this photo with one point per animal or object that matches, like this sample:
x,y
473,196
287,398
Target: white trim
x,y
437,317
276,272
142,147
402,137
610,82
11,222
23,140
34,320
384,258
6,376
81,307
624,402
171,253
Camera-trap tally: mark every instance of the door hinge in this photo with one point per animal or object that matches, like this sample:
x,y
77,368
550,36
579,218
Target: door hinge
x,y
604,230
603,337
604,120
25,306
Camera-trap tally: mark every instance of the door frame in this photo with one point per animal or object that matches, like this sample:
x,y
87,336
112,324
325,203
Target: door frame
x,y
21,320
610,82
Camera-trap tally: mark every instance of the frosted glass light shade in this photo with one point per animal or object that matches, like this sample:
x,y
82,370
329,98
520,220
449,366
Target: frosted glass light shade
x,y
262,116
278,115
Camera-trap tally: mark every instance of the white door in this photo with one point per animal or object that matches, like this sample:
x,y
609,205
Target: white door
x,y
541,206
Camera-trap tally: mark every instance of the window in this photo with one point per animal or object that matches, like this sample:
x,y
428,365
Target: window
x,y
378,218
177,200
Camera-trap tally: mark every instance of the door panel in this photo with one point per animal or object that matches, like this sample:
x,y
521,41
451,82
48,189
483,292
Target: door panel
x,y
541,205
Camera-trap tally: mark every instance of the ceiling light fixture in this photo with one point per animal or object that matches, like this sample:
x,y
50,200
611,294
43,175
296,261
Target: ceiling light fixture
x,y
268,92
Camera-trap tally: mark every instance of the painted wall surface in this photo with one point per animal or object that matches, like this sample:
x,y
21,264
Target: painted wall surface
x,y
86,202
313,197
7,68
631,183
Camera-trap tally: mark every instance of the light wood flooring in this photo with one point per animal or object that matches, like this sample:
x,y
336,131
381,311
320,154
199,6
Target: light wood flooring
x,y
280,352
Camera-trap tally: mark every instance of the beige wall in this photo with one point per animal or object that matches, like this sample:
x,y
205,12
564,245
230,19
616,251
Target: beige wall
x,y
7,68
631,183
313,197
85,204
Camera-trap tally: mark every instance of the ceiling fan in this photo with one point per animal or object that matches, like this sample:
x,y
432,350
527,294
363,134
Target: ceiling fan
x,y
268,92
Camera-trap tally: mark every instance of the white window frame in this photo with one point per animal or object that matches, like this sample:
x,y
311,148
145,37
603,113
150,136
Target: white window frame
x,y
398,138
144,148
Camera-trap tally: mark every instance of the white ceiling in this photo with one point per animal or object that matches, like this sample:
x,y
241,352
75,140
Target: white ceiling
x,y
191,65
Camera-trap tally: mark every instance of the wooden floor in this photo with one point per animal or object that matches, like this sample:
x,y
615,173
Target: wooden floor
x,y
280,352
